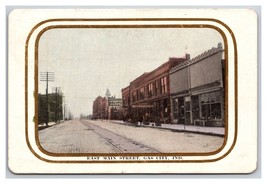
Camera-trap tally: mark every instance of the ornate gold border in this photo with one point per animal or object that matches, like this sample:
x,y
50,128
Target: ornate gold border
x,y
127,26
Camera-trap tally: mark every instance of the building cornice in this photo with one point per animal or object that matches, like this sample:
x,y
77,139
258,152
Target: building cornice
x,y
198,58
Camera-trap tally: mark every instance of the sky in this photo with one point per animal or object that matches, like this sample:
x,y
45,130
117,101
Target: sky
x,y
88,61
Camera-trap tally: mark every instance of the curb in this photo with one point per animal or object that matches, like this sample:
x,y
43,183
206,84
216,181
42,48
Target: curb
x,y
189,131
178,130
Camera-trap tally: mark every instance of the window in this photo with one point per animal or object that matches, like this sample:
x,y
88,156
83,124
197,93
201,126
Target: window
x,y
142,93
163,84
134,96
150,89
195,107
157,87
215,111
211,105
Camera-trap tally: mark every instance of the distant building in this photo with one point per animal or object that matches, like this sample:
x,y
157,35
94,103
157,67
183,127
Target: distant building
x,y
197,89
100,108
107,107
114,108
51,109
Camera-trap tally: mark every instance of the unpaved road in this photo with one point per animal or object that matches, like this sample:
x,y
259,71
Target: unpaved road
x,y
86,136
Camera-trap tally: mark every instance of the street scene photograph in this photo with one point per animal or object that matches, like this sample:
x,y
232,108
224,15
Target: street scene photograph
x,y
131,90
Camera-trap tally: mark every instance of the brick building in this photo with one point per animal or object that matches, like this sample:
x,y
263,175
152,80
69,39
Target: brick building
x,y
197,89
100,109
148,96
125,97
108,107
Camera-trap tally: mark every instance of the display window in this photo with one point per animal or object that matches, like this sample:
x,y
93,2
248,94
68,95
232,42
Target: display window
x,y
211,105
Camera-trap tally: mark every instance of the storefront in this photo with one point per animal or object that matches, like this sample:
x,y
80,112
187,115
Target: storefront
x,y
197,90
181,109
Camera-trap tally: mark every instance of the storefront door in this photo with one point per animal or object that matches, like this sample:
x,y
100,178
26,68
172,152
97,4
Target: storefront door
x,y
187,110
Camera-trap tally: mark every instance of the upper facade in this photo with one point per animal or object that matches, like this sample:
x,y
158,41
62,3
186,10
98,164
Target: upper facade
x,y
199,72
150,85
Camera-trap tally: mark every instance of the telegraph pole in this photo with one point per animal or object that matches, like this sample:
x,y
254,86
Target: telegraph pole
x,y
65,112
64,108
47,77
57,105
56,113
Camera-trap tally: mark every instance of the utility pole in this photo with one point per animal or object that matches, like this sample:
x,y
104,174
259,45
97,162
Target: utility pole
x,y
47,77
65,112
63,107
56,110
57,105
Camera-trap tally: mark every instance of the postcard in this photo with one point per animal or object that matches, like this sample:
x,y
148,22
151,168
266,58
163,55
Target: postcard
x,y
132,91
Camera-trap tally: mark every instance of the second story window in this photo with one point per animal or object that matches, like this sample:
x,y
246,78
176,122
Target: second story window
x,y
142,93
134,96
125,99
150,89
157,91
163,84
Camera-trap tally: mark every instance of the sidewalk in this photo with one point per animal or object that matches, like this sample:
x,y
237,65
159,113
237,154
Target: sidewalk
x,y
50,124
217,131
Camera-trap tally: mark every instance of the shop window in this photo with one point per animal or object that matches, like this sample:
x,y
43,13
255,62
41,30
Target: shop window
x,y
216,111
205,109
195,107
211,105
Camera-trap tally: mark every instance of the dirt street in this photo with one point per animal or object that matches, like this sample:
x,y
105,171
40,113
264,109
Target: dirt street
x,y
87,136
